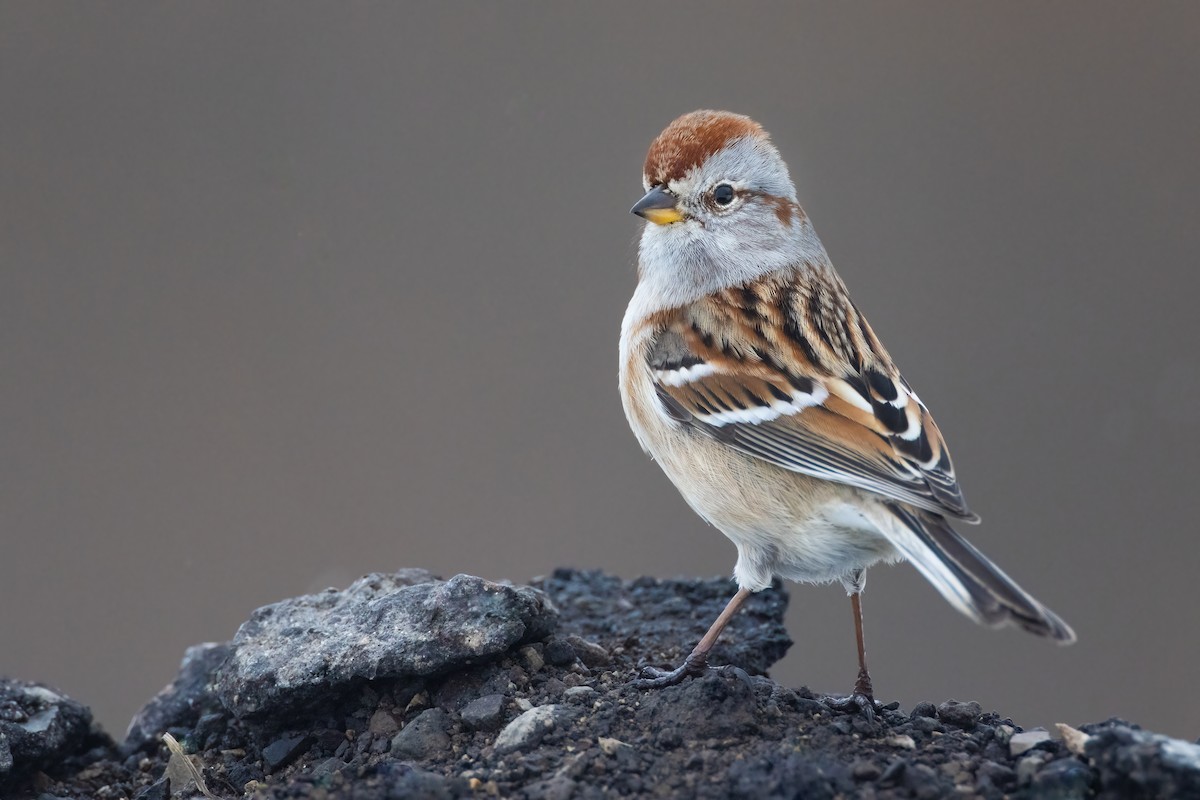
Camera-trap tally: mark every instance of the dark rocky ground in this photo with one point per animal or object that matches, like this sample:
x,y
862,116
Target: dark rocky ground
x,y
406,686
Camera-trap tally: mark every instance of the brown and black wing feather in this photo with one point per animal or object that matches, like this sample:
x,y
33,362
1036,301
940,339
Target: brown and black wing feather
x,y
787,370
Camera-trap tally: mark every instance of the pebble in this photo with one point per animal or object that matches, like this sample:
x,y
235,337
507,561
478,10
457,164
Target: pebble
x,y
962,715
423,737
532,658
484,713
559,652
903,741
284,750
590,653
579,694
923,710
529,728
382,723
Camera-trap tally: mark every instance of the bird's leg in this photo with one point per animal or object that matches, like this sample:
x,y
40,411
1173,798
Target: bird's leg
x,y
696,663
863,697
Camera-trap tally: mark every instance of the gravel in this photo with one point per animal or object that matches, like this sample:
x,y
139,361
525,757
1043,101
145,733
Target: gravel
x,y
466,688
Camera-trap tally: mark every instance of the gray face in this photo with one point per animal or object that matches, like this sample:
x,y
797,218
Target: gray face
x,y
760,230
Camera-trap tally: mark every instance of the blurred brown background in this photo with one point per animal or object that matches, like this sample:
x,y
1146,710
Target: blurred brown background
x,y
292,293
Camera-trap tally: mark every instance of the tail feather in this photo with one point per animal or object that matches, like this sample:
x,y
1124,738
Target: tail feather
x,y
965,576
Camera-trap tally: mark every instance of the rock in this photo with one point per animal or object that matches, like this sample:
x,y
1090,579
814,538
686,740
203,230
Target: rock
x,y
904,742
532,658
284,750
484,713
180,703
1135,764
382,723
1019,743
1075,740
424,736
39,728
590,653
960,715
291,654
579,694
558,652
923,710
528,729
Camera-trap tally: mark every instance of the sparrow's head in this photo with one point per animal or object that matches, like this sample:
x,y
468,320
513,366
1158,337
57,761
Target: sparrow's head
x,y
721,205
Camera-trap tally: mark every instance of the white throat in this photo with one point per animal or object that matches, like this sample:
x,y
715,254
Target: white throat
x,y
681,263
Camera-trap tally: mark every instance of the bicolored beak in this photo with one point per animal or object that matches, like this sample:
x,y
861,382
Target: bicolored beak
x,y
658,206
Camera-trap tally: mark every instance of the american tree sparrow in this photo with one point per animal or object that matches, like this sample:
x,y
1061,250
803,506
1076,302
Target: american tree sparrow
x,y
749,374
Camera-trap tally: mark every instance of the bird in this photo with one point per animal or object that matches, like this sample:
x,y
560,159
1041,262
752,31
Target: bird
x,y
754,381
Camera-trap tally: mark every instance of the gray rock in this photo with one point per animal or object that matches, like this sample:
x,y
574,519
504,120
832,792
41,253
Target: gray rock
x,y
39,727
528,729
962,715
484,713
292,653
284,750
424,737
590,653
181,703
559,652
1137,763
580,694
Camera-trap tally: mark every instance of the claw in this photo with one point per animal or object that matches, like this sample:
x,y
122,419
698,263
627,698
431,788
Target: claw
x,y
655,678
856,703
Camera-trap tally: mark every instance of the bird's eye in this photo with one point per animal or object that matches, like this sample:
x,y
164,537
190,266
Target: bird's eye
x,y
723,194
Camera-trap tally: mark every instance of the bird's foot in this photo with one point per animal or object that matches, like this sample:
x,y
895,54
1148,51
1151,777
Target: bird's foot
x,y
860,701
856,703
654,678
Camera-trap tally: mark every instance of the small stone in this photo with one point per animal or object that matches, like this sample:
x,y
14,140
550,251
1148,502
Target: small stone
x,y
484,713
866,771
903,741
559,652
528,729
1075,740
579,694
962,715
284,750
923,710
590,653
523,704
1026,740
532,658
423,737
382,723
